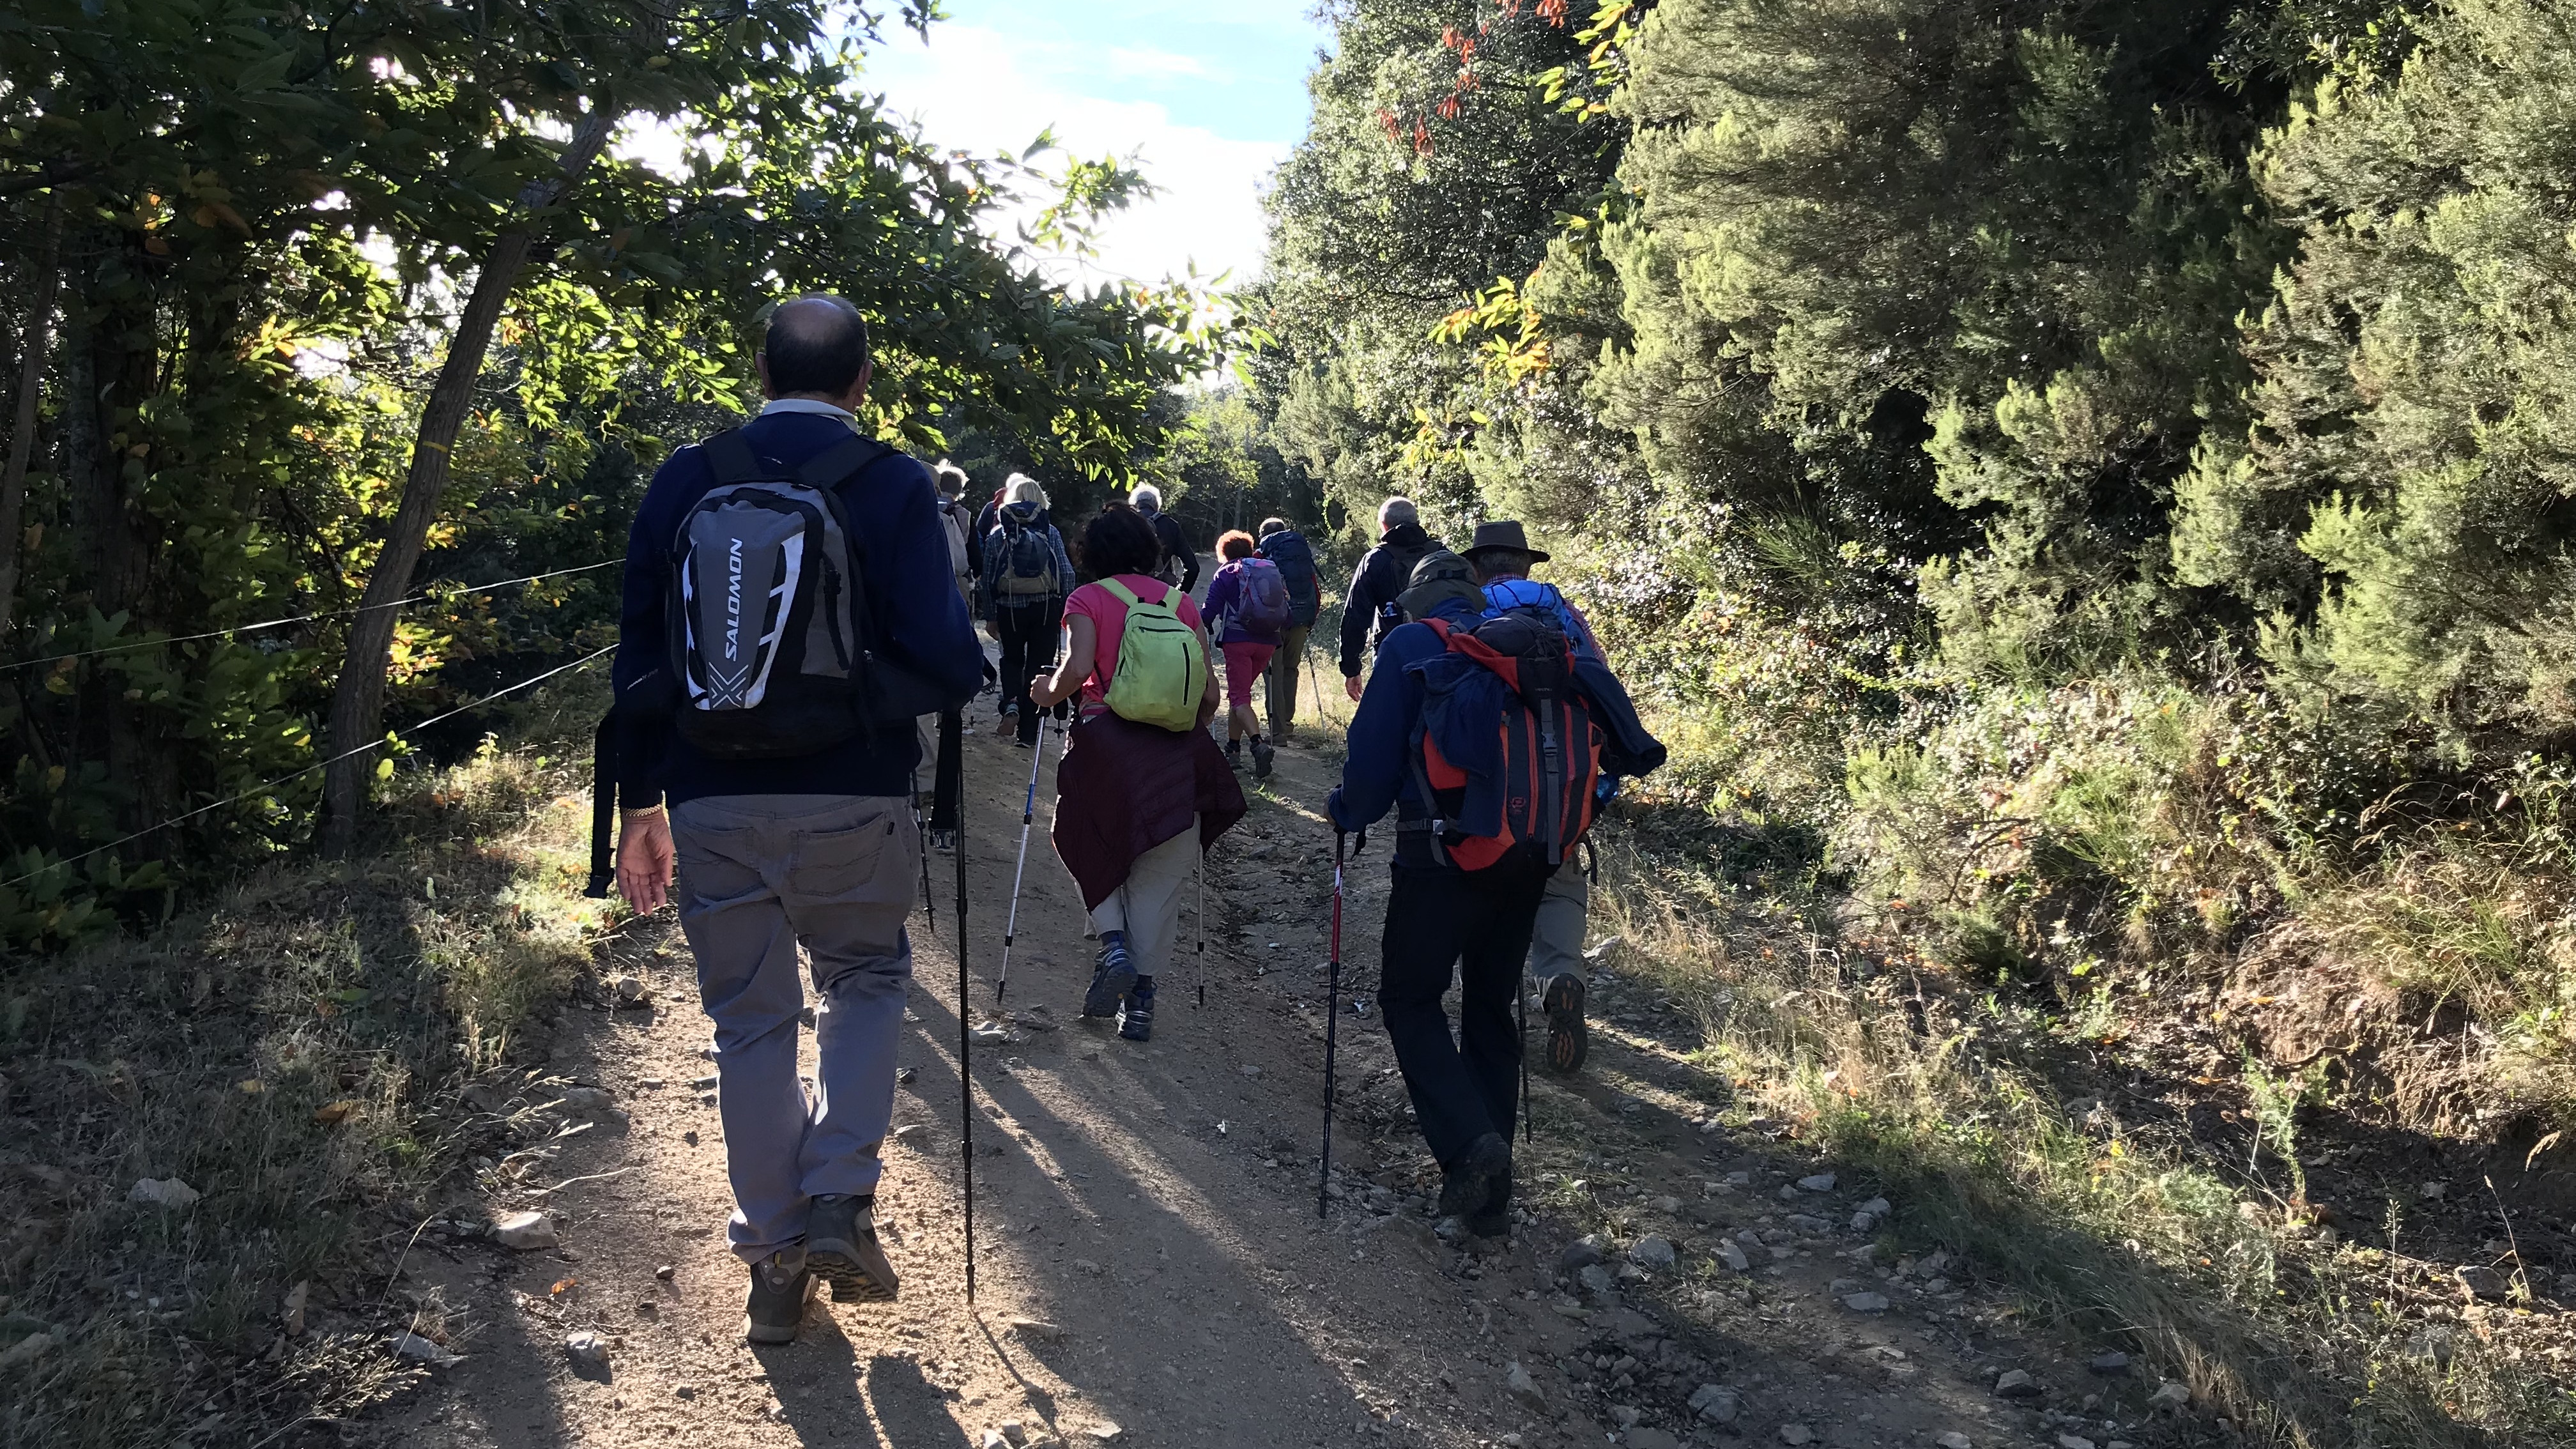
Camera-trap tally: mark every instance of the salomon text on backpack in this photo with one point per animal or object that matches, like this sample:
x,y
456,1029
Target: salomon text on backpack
x,y
1162,667
1507,754
770,643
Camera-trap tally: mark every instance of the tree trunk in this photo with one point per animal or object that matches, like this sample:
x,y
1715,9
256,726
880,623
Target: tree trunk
x,y
22,432
358,699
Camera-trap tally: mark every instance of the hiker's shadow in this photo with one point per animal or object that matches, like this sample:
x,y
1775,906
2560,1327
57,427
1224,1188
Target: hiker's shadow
x,y
826,1394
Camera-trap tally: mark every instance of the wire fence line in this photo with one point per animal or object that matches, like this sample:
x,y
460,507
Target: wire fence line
x,y
418,598
289,778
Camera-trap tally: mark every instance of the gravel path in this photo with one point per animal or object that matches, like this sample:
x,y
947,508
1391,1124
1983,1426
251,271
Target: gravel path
x,y
1152,1266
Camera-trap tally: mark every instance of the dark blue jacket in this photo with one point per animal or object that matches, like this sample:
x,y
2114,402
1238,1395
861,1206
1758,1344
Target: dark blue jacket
x,y
1377,771
912,597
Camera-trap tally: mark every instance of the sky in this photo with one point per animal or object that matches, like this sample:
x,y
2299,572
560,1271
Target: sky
x,y
1204,96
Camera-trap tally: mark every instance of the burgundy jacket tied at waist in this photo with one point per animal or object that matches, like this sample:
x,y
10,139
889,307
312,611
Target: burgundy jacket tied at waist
x,y
1125,788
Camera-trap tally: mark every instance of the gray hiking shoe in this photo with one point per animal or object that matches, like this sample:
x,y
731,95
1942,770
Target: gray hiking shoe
x,y
1261,753
780,1285
841,1247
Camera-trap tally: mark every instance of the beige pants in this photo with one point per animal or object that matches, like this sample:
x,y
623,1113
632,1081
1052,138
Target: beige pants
x,y
1148,906
1556,941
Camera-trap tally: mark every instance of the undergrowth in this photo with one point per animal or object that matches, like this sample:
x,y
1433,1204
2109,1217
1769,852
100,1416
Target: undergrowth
x,y
293,1053
1926,1075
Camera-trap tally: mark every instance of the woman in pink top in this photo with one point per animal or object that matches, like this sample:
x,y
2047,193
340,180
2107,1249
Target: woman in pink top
x,y
1134,802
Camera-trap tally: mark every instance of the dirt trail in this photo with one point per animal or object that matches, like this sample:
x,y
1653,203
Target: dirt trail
x,y
1152,1267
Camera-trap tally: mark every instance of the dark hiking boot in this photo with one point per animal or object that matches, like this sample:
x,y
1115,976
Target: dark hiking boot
x,y
1136,1022
1112,978
1495,1219
841,1249
1468,1184
1234,754
1568,1040
780,1284
1261,754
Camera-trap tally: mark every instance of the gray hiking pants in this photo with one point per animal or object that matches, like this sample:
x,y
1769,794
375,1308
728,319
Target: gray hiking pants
x,y
760,876
1556,942
1148,906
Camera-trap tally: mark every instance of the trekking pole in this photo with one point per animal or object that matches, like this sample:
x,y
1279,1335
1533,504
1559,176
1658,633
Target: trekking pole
x,y
1529,1130
1323,709
921,829
965,1062
1028,813
1202,951
1332,1022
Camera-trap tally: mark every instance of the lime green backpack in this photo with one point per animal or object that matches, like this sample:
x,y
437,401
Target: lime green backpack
x,y
1162,666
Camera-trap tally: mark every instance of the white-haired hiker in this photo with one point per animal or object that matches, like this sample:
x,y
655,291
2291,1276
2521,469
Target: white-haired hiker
x,y
1026,576
1179,564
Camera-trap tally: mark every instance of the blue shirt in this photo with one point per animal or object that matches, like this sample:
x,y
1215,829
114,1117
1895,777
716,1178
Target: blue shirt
x,y
912,598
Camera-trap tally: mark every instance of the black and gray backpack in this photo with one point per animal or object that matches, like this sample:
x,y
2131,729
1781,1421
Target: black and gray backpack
x,y
771,646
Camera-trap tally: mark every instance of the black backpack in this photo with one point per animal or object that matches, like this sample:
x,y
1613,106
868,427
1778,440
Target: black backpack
x,y
772,653
1028,559
1296,561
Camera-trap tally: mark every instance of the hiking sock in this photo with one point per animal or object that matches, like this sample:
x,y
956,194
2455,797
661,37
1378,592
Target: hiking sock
x,y
1136,1022
1112,977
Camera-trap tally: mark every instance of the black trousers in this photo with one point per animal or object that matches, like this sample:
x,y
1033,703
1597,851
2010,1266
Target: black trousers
x,y
1028,645
1475,925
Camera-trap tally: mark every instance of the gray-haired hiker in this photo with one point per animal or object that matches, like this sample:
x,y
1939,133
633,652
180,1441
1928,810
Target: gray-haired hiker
x,y
1178,562
782,759
1026,578
1370,613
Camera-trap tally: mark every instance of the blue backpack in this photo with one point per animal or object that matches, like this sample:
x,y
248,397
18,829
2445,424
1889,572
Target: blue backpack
x,y
1287,548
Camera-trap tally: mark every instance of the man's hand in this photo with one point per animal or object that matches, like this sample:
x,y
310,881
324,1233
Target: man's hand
x,y
644,858
1351,686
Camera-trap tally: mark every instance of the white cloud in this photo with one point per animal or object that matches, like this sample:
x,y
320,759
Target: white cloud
x,y
983,90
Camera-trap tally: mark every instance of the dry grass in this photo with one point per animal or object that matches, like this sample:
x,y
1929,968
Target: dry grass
x,y
293,1052
2298,1337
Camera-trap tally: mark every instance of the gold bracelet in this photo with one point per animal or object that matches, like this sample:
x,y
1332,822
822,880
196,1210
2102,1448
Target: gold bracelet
x,y
655,808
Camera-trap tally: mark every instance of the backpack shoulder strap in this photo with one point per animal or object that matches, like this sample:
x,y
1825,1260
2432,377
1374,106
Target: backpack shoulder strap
x,y
841,462
732,458
1125,594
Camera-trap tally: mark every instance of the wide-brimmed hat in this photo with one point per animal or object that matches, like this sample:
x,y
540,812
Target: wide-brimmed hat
x,y
1438,577
1506,534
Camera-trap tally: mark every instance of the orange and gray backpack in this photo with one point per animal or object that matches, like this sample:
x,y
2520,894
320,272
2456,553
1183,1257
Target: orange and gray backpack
x,y
1507,755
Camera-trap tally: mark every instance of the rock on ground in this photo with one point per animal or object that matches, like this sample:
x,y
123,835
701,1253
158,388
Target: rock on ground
x,y
167,1192
527,1230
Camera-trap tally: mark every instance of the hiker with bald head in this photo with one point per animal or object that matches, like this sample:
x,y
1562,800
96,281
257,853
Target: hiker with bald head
x,y
1369,611
790,610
